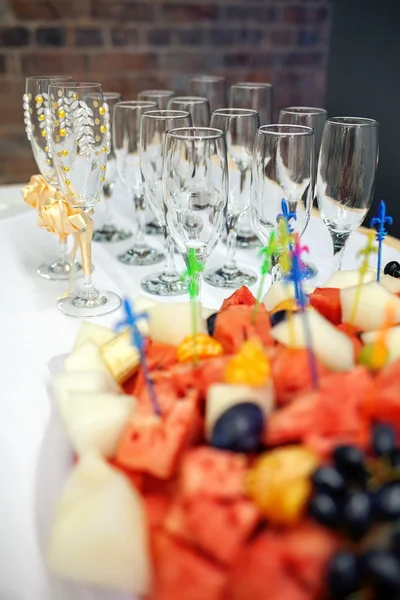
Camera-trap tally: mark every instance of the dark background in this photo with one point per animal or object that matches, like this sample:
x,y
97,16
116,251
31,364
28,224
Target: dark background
x,y
363,80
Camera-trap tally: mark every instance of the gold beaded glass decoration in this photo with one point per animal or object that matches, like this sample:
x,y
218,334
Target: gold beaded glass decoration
x,y
78,128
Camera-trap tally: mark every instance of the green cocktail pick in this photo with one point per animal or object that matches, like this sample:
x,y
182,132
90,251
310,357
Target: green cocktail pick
x,y
192,276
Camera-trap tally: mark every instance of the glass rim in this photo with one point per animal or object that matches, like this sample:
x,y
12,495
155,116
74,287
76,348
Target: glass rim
x,y
161,114
282,129
304,110
112,95
353,121
45,77
207,78
76,84
234,112
133,104
156,92
252,84
190,99
183,133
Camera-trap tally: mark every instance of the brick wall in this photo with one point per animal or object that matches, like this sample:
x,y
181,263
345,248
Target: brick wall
x,y
129,45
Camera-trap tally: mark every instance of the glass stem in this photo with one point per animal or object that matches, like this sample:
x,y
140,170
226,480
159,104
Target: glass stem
x,y
141,221
276,270
339,243
231,246
85,243
63,252
169,273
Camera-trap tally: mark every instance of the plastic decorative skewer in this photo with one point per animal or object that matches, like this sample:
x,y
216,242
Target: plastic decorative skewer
x,y
379,223
131,322
365,254
192,276
296,277
270,250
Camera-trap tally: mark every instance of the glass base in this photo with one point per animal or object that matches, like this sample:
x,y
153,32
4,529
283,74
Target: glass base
x,y
247,239
230,278
154,228
141,257
159,285
85,308
60,270
308,271
110,233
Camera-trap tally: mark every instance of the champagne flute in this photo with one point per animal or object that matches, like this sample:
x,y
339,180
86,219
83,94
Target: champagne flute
x,y
259,97
78,134
35,105
126,136
314,118
161,98
347,167
109,232
196,106
283,166
211,87
195,183
154,125
240,126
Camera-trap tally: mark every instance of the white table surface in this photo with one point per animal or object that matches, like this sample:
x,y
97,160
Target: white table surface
x,y
32,331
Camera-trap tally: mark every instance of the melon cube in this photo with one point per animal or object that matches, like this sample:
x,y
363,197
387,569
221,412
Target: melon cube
x,y
96,333
87,357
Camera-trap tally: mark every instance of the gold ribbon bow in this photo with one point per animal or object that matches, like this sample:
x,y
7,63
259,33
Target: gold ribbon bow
x,y
37,193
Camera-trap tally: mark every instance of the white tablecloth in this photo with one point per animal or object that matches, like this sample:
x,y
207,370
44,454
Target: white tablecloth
x,y
32,331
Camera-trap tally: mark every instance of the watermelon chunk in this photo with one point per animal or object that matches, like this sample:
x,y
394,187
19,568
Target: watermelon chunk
x,y
231,522
385,404
327,302
258,573
182,574
157,507
213,473
321,419
235,325
291,373
241,296
152,444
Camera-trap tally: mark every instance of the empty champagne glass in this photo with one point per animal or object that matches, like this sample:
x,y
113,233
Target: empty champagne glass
x,y
109,232
259,97
78,134
126,136
211,87
240,126
195,184
161,98
283,168
196,106
314,118
347,166
35,105
154,125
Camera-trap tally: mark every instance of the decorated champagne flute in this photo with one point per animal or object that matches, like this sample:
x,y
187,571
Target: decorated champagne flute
x,y
259,97
240,126
78,134
314,118
212,87
161,98
195,183
282,169
109,232
126,136
346,174
35,104
154,125
196,106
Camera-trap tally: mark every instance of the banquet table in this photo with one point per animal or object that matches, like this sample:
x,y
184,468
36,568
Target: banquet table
x,y
33,331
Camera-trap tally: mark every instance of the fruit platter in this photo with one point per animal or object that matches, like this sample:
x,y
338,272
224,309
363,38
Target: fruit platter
x,y
240,473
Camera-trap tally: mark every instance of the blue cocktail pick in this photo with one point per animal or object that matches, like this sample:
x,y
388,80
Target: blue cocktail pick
x,y
295,275
131,321
379,223
287,215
